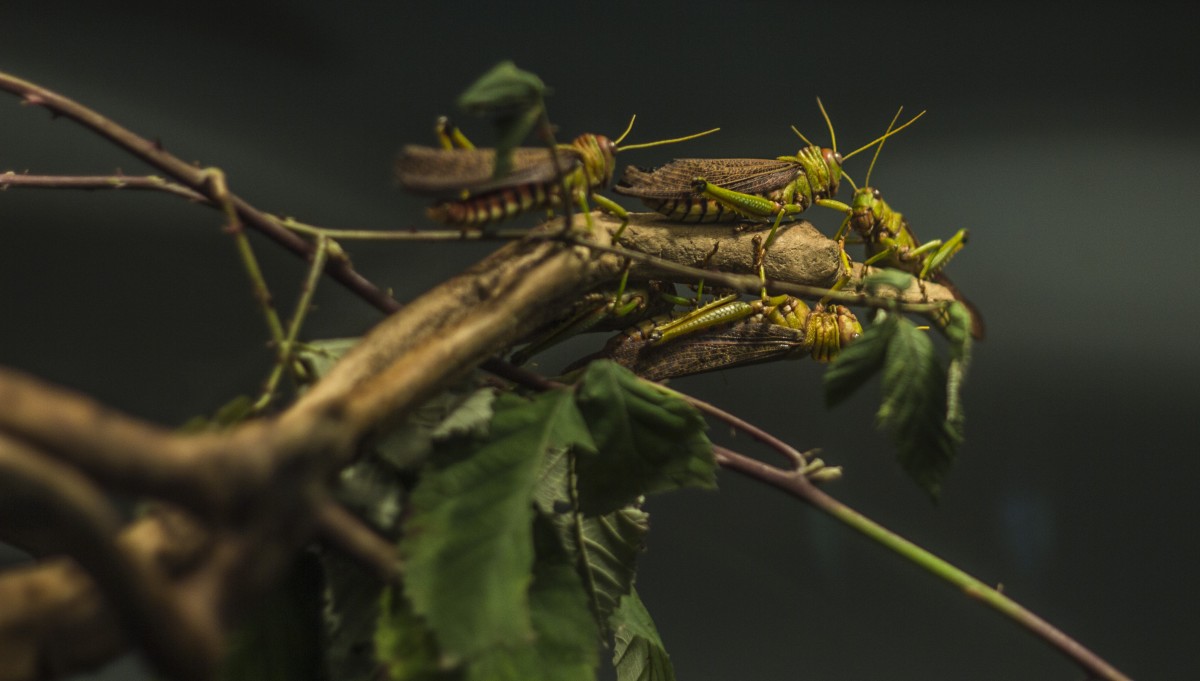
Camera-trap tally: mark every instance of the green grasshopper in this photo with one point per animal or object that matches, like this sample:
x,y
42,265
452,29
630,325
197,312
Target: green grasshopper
x,y
729,333
890,240
712,190
536,181
727,189
599,311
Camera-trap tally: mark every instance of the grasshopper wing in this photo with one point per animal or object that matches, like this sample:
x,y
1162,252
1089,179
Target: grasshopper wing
x,y
429,170
674,180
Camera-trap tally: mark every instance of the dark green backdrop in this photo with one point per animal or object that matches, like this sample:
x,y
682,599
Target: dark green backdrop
x,y
1063,137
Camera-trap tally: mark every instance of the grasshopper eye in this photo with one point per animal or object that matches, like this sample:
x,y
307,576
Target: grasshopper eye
x,y
831,157
875,194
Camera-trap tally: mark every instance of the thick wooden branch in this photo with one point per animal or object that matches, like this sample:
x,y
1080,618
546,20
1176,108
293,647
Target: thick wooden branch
x,y
259,491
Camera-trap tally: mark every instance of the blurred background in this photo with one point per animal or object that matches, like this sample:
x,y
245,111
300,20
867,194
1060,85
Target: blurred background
x,y
1062,136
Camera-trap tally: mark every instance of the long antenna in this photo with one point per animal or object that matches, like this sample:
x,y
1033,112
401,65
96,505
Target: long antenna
x,y
883,137
878,149
643,145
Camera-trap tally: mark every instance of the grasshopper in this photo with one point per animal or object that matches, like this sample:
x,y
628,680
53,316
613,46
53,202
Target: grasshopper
x,y
598,311
712,190
890,240
729,333
536,181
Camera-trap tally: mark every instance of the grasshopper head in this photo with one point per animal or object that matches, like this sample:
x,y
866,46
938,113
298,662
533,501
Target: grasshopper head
x,y
829,330
865,199
599,157
848,327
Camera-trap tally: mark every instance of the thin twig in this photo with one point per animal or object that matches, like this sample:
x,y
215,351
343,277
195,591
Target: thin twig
x,y
10,179
196,179
95,182
340,528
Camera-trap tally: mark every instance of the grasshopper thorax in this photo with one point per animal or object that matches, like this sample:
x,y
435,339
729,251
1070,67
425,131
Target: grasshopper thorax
x,y
598,154
833,161
823,166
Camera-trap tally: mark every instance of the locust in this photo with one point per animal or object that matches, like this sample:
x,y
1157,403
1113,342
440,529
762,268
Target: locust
x,y
728,189
599,311
729,333
475,198
890,240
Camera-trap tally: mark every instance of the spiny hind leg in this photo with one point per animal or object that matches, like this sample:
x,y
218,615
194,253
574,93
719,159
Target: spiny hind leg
x,y
933,262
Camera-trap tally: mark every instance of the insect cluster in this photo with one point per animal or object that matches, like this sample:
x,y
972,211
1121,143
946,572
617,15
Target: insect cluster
x,y
688,337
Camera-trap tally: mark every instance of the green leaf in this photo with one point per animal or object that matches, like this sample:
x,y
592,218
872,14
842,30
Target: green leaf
x,y
460,410
959,334
914,407
404,645
229,414
887,278
468,542
858,361
564,646
503,90
639,654
514,100
604,548
281,640
647,441
320,355
610,545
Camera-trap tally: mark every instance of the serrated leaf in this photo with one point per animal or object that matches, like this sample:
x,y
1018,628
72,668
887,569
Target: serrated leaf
x,y
564,645
639,654
914,407
898,280
610,545
605,549
460,410
858,361
648,441
404,645
471,416
468,542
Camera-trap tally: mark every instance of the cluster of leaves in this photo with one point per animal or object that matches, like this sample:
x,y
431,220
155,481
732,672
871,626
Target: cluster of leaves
x,y
519,522
521,535
921,406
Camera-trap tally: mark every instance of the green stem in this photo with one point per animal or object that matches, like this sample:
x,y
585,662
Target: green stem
x,y
262,293
287,344
799,486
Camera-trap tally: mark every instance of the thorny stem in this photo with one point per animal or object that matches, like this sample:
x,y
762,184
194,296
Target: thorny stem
x,y
287,345
799,486
262,293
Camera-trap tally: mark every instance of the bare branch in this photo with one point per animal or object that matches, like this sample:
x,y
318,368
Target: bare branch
x,y
195,179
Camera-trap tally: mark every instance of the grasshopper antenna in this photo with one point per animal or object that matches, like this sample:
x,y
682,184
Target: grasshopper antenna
x,y
643,145
883,137
627,129
878,149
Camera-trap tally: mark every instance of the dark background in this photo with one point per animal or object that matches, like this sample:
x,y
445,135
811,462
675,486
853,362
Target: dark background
x,y
1063,137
